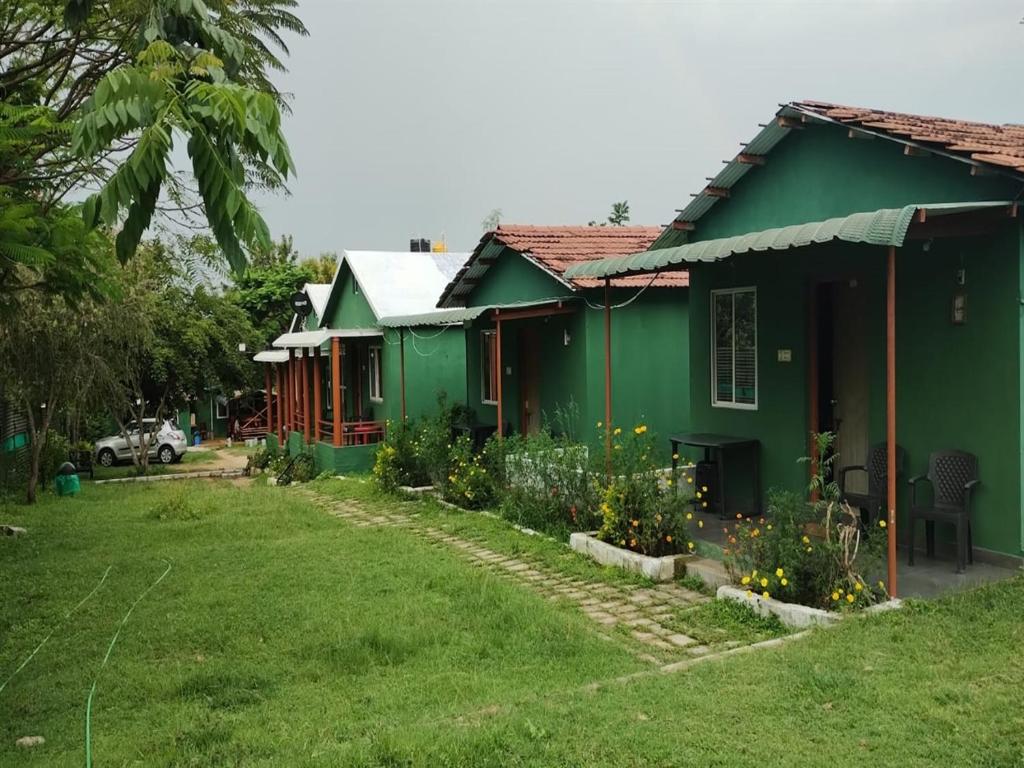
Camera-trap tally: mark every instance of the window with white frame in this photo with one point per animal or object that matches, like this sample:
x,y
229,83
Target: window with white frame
x,y
489,367
222,409
734,348
376,394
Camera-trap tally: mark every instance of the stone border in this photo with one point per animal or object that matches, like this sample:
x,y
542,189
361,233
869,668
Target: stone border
x,y
796,615
216,473
655,568
416,490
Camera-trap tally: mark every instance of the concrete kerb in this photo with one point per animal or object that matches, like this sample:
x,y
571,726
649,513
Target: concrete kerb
x,y
655,568
793,614
210,473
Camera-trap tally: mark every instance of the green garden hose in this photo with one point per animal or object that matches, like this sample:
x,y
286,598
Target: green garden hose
x,y
55,628
106,658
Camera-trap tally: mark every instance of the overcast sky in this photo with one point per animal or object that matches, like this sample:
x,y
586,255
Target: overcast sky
x,y
418,117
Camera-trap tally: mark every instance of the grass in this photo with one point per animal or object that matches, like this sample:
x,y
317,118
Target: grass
x,y
191,461
283,636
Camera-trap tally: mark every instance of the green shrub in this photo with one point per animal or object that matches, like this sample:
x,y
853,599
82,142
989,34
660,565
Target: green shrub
x,y
469,484
55,452
182,505
261,458
809,552
641,510
304,468
397,461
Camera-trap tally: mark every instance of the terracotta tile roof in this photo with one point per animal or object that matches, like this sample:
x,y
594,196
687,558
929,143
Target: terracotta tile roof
x,y
558,248
555,249
1001,145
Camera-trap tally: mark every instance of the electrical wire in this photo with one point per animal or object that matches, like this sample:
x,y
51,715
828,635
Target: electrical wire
x,y
103,664
628,301
55,628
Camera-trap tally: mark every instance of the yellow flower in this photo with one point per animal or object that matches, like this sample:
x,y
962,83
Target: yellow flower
x,y
784,582
657,518
618,447
779,572
634,523
704,504
689,480
622,542
600,424
689,515
749,594
808,549
765,595
675,457
617,431
704,488
636,430
689,545
668,538
669,482
698,494
881,585
768,527
858,586
754,573
835,595
632,542
745,580
849,598
805,540
700,523
764,582
881,523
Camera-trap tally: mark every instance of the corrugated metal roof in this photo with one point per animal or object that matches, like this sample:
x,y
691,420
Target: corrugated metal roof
x,y
271,356
887,226
458,315
302,339
401,282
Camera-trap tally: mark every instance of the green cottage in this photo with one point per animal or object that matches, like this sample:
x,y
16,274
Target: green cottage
x,y
536,339
348,369
861,272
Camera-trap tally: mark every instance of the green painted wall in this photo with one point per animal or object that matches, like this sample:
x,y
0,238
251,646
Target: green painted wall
x,y
347,307
957,386
818,173
272,444
435,361
512,279
341,461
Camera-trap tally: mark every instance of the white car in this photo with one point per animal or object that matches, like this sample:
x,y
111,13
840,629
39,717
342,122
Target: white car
x,y
169,446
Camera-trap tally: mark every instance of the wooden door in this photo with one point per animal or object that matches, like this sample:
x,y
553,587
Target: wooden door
x,y
851,393
529,380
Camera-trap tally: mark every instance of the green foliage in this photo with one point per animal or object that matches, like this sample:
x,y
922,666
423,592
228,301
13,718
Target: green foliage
x,y
640,509
261,458
397,461
468,483
809,552
617,218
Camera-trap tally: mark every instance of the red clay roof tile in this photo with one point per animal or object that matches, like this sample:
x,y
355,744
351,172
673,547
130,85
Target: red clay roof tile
x,y
1001,145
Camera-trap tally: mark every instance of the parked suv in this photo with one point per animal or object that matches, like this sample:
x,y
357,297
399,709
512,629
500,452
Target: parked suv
x,y
169,446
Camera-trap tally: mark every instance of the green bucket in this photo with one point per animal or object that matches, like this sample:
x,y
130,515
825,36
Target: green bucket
x,y
67,485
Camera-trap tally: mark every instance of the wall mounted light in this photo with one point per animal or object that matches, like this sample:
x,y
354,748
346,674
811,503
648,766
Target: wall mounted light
x,y
566,338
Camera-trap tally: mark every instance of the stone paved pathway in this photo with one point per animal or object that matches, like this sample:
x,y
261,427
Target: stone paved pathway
x,y
620,611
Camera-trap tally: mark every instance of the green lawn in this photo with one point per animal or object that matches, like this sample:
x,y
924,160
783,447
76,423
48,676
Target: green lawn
x,y
283,636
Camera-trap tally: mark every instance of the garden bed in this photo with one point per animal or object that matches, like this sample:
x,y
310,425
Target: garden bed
x,y
665,568
794,614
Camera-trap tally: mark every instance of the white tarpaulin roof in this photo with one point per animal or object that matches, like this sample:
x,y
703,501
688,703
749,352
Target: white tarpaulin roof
x,y
402,282
318,337
271,356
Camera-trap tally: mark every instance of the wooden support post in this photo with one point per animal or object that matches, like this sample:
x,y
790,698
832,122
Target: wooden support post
x,y
500,376
268,398
306,410
317,401
336,388
890,414
289,392
280,406
401,366
341,387
608,376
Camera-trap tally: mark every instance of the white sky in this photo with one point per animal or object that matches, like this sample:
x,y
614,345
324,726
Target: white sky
x,y
417,117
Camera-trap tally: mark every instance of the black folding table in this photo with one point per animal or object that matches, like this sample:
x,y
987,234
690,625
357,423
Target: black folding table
x,y
721,446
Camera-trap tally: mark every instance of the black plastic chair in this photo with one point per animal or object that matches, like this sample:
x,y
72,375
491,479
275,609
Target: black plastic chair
x,y
953,476
877,469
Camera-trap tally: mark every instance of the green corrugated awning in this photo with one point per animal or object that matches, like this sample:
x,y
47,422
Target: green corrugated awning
x,y
884,227
459,315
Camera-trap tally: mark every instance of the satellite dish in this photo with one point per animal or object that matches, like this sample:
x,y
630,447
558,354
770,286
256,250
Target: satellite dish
x,y
301,303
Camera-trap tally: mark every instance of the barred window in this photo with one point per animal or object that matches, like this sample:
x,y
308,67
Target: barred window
x,y
734,348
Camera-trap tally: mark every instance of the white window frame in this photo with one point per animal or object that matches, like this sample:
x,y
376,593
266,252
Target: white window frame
x,y
715,402
375,365
485,340
221,410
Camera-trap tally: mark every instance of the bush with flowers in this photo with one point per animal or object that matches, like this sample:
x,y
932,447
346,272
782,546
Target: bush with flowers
x,y
641,510
813,552
398,461
469,484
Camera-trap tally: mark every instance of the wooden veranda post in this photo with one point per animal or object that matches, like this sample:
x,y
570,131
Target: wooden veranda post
x,y
289,392
306,410
499,377
607,376
890,414
336,388
268,397
280,405
813,415
317,399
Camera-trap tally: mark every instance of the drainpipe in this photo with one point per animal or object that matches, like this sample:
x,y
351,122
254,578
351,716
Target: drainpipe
x,y
608,376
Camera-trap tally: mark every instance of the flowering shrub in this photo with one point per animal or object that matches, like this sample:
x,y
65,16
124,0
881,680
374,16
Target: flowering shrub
x,y
809,552
398,460
641,510
468,484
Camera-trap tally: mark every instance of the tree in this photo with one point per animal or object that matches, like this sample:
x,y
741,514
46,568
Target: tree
x,y
93,92
47,365
491,220
617,218
181,340
322,267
